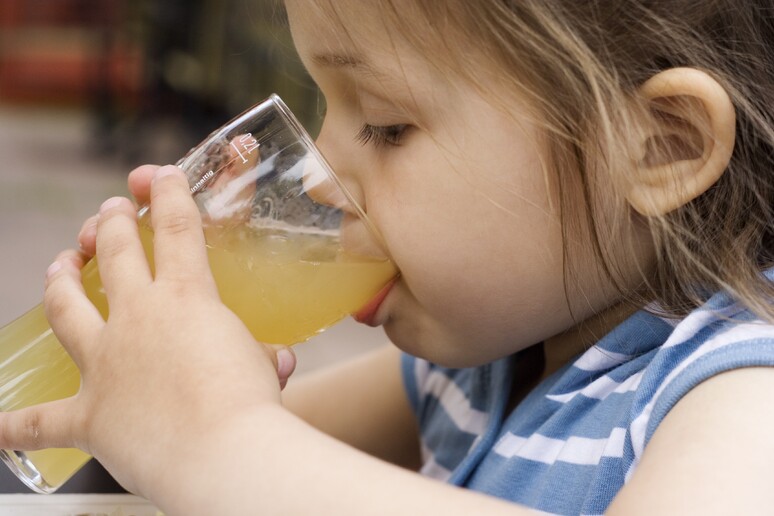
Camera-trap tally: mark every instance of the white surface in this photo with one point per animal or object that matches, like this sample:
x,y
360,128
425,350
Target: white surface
x,y
75,505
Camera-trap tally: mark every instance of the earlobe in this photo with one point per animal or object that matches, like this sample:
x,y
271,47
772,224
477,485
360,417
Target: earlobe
x,y
688,143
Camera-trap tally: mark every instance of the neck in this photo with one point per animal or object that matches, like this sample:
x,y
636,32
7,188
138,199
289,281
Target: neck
x,y
562,348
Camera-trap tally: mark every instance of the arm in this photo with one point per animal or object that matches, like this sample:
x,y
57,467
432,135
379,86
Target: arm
x,y
269,461
207,432
712,454
362,403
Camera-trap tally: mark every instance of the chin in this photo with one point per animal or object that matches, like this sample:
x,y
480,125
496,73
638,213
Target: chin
x,y
436,346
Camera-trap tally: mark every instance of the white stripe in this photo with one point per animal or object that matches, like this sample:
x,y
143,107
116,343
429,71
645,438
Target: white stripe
x,y
574,450
425,452
601,388
697,321
737,333
434,470
454,402
597,359
421,368
637,432
671,322
638,428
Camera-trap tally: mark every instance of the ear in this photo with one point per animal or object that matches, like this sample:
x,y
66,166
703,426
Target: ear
x,y
687,143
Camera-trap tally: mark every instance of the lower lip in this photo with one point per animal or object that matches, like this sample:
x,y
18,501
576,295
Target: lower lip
x,y
367,314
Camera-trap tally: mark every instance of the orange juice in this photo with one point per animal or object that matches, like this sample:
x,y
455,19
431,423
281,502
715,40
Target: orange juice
x,y
34,368
288,286
285,286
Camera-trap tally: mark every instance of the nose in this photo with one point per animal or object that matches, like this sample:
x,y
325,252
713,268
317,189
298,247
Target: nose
x,y
358,234
338,153
323,187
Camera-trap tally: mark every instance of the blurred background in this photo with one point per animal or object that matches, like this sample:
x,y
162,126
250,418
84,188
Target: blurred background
x,y
89,89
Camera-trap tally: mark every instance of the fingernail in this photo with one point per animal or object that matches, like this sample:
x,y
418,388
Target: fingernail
x,y
110,204
286,362
90,225
56,266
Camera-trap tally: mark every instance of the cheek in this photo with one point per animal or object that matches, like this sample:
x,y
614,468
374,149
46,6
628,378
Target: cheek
x,y
473,241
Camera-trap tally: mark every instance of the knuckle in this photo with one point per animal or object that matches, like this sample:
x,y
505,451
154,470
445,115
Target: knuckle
x,y
6,435
65,255
111,233
177,285
70,256
182,284
55,308
176,223
22,430
54,300
30,431
112,247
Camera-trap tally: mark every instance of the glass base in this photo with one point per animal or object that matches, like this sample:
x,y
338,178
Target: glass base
x,y
23,468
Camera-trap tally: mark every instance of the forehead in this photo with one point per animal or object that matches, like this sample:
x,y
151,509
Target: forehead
x,y
343,18
411,38
349,35
384,45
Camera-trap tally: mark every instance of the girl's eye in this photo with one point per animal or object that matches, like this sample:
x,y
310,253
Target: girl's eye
x,y
380,135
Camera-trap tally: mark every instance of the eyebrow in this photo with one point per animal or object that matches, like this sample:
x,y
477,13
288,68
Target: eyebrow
x,y
353,62
338,61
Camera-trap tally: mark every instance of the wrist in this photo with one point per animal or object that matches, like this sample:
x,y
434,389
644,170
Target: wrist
x,y
211,466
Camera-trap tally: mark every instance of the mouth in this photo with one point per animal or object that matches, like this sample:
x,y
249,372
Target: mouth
x,y
367,314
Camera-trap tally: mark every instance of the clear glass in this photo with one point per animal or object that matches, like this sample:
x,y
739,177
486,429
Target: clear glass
x,y
291,251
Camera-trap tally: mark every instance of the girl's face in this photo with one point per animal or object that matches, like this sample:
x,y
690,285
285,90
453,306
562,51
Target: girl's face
x,y
453,182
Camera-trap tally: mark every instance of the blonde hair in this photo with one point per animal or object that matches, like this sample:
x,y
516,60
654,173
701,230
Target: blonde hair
x,y
580,63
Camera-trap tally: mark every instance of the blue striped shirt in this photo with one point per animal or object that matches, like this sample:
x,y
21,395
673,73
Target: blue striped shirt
x,y
572,443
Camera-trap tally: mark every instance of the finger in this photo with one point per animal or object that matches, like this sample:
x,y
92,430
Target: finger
x,y
229,199
139,185
72,316
139,182
87,237
244,155
76,259
123,267
178,245
49,425
285,362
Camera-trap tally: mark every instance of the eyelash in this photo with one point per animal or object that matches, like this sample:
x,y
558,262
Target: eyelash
x,y
381,135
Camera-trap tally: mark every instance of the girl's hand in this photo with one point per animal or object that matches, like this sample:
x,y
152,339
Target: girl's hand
x,y
139,182
171,364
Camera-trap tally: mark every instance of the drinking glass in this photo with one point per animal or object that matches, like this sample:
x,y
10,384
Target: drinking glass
x,y
291,252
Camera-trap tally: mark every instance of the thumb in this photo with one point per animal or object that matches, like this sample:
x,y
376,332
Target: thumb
x,y
285,359
48,425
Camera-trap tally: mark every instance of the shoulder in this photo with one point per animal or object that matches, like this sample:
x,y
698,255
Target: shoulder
x,y
719,337
711,452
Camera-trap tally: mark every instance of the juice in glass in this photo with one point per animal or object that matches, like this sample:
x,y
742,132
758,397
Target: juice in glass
x,y
285,285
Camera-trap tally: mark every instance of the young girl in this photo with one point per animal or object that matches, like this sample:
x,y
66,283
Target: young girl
x,y
579,198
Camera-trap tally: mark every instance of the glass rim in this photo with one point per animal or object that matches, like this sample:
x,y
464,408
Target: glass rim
x,y
301,133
